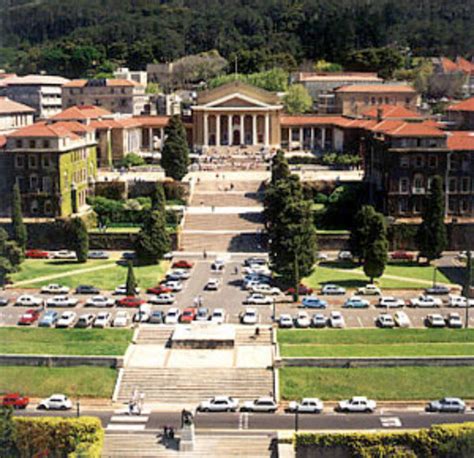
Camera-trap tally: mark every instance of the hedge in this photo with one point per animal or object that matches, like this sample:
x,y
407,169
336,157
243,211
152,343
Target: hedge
x,y
58,437
438,441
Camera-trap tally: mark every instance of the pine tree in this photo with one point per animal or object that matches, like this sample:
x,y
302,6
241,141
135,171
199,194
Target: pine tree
x,y
131,283
80,239
158,199
361,231
431,237
19,229
175,153
152,241
376,258
280,168
11,256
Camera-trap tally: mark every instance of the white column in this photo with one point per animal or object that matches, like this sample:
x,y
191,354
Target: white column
x,y
150,136
218,130
312,138
301,138
206,129
254,130
242,129
162,137
323,138
267,129
229,129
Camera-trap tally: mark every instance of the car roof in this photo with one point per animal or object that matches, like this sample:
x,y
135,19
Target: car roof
x,y
310,400
221,398
265,398
359,398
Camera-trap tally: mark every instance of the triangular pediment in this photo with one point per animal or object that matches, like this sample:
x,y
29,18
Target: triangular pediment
x,y
236,101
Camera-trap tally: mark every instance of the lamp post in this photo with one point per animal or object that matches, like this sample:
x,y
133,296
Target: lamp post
x,y
297,420
78,408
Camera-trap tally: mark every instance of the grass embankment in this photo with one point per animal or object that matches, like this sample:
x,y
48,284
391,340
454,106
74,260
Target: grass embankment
x,y
38,341
376,342
94,382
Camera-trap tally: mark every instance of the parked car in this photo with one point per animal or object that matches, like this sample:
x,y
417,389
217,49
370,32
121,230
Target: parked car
x,y
159,289
385,320
156,317
64,254
4,301
188,315
15,400
344,256
250,284
130,301
321,256
250,316
307,405
29,317
459,301
66,320
178,274
162,299
55,402
49,319
425,301
285,321
173,286
27,300
87,289
85,320
319,321
262,404
218,265
121,290
336,320
369,290
402,256
313,302
401,320
453,320
143,314
257,269
303,290
258,299
266,289
121,320
172,317
438,290
36,254
357,404
100,301
333,290
98,255
102,320
435,320
62,301
455,405
182,264
219,404
255,261
212,284
302,320
202,314
356,302
389,302
218,316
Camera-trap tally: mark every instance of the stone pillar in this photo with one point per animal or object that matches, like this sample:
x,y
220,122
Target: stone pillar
x,y
242,129
312,138
301,138
254,130
229,129
218,130
150,137
162,137
267,129
323,138
206,129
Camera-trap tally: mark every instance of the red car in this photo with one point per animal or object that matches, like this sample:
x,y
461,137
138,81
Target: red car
x,y
188,315
15,400
402,256
36,254
303,290
29,317
160,289
130,301
183,264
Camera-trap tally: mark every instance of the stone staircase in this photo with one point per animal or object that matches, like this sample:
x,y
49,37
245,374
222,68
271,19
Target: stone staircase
x,y
206,446
154,335
237,243
246,336
186,385
243,222
226,199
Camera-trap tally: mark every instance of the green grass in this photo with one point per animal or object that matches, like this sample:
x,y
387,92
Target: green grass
x,y
333,232
36,341
392,383
106,279
94,382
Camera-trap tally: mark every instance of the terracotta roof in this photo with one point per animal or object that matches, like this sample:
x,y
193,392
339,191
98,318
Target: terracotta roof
x,y
448,65
42,129
128,122
82,112
116,123
10,106
382,88
45,80
108,83
74,126
391,112
461,141
152,121
461,65
465,105
362,123
3,141
386,126
464,65
304,120
396,128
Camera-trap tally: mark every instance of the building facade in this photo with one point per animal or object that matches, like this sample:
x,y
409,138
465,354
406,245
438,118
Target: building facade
x,y
14,115
461,115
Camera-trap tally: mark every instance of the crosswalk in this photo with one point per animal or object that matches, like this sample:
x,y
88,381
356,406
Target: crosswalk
x,y
122,420
391,422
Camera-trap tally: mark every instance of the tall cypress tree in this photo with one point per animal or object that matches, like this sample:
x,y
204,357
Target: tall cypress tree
x,y
131,283
158,199
19,229
280,168
175,153
152,241
361,231
80,239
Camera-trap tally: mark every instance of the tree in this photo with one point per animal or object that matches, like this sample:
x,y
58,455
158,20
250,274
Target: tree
x,y
7,432
280,168
431,237
80,239
175,154
152,241
19,229
367,227
297,99
132,160
325,66
131,283
158,199
376,257
11,256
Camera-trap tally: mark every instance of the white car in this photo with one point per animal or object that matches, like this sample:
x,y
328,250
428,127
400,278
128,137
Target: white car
x,y
302,320
401,320
459,301
285,321
219,404
256,269
250,316
250,284
62,301
172,317
173,285
85,320
319,321
99,301
102,320
259,299
218,265
321,256
263,404
426,301
122,290
178,274
162,299
121,320
345,256
54,288
435,320
357,404
331,289
218,316
212,284
391,302
64,254
453,320
27,300
143,314
385,320
266,289
56,402
307,405
336,320
98,255
66,320
369,290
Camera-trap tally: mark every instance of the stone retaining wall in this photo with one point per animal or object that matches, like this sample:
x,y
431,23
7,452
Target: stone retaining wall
x,y
114,362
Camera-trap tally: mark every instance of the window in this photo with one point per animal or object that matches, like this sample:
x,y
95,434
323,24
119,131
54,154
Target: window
x,y
47,185
19,161
452,207
428,183
48,207
466,184
46,161
464,206
417,205
32,162
34,207
33,182
45,143
433,162
402,206
453,184
373,100
418,182
32,144
404,185
19,143
408,100
404,161
419,161
453,162
20,181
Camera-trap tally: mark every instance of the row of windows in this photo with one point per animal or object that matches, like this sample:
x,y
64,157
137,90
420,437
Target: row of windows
x,y
462,185
34,184
33,161
47,208
456,161
416,206
32,144
112,90
381,100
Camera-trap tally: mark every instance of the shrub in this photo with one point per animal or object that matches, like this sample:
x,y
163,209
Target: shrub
x,y
132,160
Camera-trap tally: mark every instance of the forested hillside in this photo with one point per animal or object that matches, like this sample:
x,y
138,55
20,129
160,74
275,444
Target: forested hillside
x,y
76,36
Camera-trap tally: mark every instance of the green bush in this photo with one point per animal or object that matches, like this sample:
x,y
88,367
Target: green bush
x,y
132,160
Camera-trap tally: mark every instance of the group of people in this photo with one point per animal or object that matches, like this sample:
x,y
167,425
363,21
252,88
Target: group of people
x,y
135,405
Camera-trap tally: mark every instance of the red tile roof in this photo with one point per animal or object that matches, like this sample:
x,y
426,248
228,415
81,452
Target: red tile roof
x,y
82,112
116,123
377,88
306,120
74,126
396,128
448,65
465,105
108,83
152,121
391,112
3,141
461,141
461,65
42,129
10,106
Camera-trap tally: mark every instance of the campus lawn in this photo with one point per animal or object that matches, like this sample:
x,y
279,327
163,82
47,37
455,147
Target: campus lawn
x,y
391,383
92,382
36,341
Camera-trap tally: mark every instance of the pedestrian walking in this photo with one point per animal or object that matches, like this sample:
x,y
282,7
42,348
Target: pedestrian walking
x,y
204,254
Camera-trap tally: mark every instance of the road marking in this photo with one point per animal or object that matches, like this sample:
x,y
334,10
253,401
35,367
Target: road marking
x,y
129,419
244,421
125,427
391,422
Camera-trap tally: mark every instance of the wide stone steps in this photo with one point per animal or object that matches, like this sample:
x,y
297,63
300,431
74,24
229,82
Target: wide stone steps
x,y
247,337
149,445
193,385
220,185
226,199
240,243
242,222
156,335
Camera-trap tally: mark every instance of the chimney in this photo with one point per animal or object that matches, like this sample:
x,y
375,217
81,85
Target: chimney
x,y
379,114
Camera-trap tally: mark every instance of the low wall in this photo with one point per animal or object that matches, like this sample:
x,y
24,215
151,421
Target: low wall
x,y
375,362
119,241
114,362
